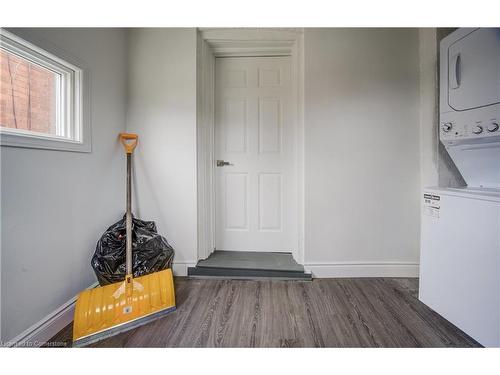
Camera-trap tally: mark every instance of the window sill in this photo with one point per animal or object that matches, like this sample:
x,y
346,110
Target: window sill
x,y
11,139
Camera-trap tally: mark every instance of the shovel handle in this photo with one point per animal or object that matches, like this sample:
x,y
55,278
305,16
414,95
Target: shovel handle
x,y
129,141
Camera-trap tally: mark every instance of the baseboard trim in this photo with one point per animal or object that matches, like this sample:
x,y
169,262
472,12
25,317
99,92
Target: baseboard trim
x,y
363,269
180,268
39,333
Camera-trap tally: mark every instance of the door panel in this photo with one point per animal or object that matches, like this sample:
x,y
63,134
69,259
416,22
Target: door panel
x,y
269,125
270,201
235,133
256,200
235,201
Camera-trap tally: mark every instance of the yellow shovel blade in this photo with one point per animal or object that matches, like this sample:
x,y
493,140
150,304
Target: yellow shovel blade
x,y
106,310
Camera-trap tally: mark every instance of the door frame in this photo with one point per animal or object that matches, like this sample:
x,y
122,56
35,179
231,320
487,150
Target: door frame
x,y
242,42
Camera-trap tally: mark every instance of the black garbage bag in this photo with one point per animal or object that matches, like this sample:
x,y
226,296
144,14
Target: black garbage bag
x,y
150,251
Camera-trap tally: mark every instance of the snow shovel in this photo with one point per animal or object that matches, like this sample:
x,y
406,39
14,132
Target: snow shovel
x,y
111,309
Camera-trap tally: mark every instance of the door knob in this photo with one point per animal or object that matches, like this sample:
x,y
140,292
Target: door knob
x,y
221,163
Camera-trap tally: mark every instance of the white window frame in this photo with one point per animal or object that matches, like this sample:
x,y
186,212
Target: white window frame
x,y
72,90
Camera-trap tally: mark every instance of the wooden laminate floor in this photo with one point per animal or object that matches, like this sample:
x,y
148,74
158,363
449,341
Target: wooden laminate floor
x,y
367,312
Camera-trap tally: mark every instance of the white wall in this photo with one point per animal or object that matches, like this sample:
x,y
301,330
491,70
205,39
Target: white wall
x,y
162,110
429,135
362,181
362,162
55,204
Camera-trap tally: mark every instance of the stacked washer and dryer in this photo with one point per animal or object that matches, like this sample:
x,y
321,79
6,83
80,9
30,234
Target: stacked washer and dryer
x,y
460,243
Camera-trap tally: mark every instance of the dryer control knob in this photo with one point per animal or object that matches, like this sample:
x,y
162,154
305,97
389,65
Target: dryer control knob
x,y
493,127
446,127
478,129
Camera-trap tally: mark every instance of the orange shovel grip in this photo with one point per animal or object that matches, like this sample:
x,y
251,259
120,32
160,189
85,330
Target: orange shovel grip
x,y
129,141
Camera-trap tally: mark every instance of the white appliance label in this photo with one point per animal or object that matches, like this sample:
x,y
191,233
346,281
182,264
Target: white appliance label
x,y
431,205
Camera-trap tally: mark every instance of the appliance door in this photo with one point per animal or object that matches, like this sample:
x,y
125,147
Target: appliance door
x,y
479,163
474,70
460,263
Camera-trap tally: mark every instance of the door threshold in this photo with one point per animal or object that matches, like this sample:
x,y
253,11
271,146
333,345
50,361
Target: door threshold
x,y
249,265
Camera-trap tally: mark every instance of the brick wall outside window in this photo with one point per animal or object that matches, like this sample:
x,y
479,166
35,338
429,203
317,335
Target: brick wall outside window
x,y
27,95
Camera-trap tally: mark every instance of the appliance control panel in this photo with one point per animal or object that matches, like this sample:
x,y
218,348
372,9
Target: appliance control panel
x,y
472,125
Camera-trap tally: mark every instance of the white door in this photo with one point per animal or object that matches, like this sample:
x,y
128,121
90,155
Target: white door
x,y
256,199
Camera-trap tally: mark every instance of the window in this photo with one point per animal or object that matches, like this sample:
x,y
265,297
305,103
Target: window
x,y
42,98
